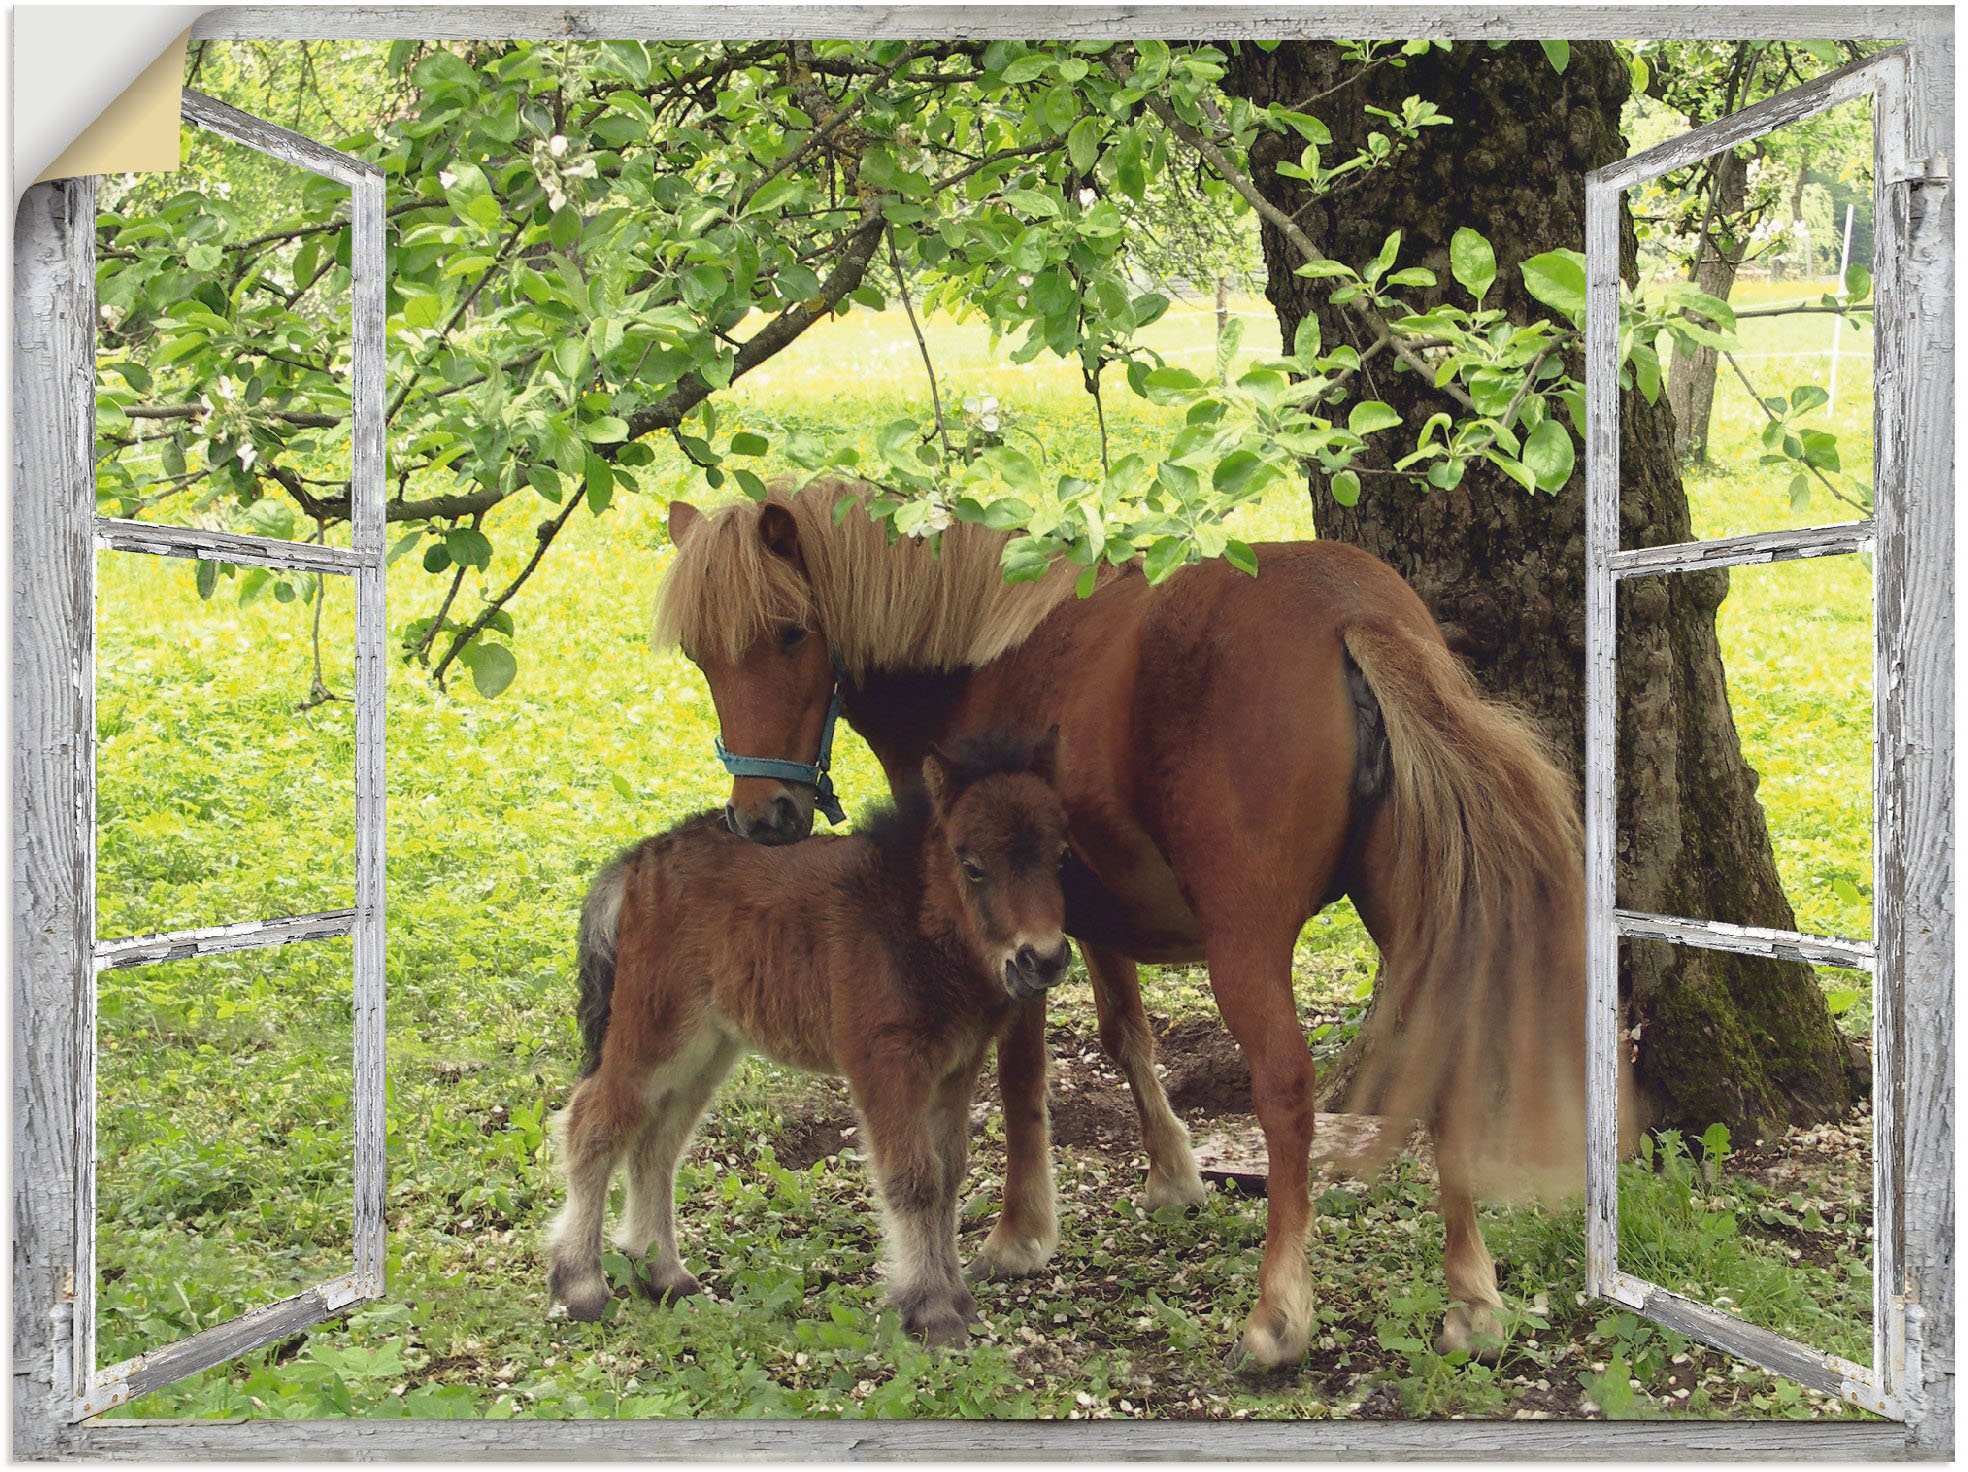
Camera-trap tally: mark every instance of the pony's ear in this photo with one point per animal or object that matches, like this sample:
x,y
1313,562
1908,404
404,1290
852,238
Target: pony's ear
x,y
780,533
939,777
684,520
1045,755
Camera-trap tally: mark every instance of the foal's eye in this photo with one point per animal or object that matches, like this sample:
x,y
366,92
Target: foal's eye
x,y
1065,853
790,636
973,871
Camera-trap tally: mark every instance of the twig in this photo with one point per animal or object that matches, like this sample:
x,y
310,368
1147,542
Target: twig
x,y
1856,505
548,531
1284,223
922,343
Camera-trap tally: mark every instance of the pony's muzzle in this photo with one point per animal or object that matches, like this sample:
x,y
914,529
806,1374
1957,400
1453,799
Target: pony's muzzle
x,y
782,819
1029,971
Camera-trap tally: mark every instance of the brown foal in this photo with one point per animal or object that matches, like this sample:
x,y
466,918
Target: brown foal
x,y
1240,752
892,958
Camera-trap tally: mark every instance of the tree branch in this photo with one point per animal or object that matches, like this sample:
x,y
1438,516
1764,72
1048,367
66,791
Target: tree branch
x,y
548,531
922,343
1288,227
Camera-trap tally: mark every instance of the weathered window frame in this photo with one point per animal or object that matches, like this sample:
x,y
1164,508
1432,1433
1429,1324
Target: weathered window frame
x,y
1906,816
68,535
53,396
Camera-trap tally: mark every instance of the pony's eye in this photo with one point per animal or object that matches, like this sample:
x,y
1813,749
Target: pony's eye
x,y
790,636
1065,853
973,871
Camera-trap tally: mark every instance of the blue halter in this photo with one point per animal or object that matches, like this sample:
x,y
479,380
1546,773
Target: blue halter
x,y
814,774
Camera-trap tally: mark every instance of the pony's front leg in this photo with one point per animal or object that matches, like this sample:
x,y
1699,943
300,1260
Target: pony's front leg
x,y
1027,1230
1250,975
918,1204
1173,1179
950,1132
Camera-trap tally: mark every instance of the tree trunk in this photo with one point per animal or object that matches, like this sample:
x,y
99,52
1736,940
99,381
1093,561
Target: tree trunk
x,y
1720,1037
1691,379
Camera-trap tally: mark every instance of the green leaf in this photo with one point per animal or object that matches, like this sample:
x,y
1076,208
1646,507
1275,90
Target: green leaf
x,y
1838,1003
1239,554
1370,416
1473,262
1858,282
1800,492
564,228
772,195
1346,488
1557,278
468,548
600,484
1083,143
1549,455
208,578
1164,558
546,480
607,430
1558,53
1847,892
746,443
492,668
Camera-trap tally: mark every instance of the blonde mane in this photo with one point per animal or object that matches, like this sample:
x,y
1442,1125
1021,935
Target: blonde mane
x,y
899,608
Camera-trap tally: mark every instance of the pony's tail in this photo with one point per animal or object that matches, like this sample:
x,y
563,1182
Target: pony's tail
x,y
1478,1028
601,921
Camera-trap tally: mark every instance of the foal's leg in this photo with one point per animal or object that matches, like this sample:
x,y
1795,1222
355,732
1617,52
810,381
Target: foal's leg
x,y
1027,1230
602,1120
949,1122
917,1204
1173,1179
650,1216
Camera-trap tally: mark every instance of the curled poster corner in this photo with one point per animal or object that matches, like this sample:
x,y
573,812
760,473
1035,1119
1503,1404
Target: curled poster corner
x,y
97,89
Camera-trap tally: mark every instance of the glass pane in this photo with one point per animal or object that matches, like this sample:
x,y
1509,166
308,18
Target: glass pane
x,y
1775,425
225,784
1776,1229
223,343
1796,642
224,1154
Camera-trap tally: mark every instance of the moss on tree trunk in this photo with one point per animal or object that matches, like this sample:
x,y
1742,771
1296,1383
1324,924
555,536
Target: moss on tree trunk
x,y
1720,1037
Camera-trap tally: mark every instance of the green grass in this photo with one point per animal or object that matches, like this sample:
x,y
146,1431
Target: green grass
x,y
225,1081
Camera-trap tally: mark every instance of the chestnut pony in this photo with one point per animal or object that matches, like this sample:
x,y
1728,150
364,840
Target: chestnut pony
x,y
1239,752
892,958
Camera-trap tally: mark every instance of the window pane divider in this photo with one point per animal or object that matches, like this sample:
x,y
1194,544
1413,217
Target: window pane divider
x,y
120,535
1749,940
217,940
1827,1373
1753,547
119,1383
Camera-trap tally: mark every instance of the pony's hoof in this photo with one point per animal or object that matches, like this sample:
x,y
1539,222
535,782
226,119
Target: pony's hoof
x,y
966,1306
1174,1190
1270,1343
1004,1255
1472,1329
667,1287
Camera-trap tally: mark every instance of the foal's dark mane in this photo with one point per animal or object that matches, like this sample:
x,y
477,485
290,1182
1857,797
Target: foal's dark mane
x,y
896,827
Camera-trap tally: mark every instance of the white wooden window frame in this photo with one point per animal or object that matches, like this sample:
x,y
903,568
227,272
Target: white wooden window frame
x,y
1889,1385
55,536
89,1389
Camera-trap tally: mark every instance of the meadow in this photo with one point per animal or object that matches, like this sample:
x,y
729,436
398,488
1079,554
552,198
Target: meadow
x,y
224,1084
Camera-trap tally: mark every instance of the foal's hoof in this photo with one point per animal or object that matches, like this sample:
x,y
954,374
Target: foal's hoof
x,y
966,1306
938,1326
666,1287
1472,1329
586,1298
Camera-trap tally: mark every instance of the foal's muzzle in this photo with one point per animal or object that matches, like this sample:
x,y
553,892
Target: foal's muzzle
x,y
1028,971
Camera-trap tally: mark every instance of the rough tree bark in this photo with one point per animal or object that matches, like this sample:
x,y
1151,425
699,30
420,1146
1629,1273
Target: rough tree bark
x,y
1721,1037
1691,379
